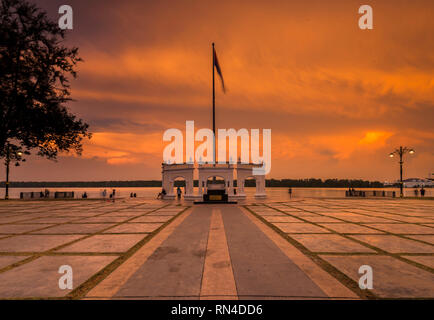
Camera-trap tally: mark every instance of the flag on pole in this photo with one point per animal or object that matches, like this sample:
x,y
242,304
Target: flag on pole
x,y
219,70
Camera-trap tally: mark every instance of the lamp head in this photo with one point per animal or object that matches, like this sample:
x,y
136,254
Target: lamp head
x,y
411,151
391,155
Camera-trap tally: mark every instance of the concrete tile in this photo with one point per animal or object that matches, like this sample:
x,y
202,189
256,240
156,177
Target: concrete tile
x,y
105,243
425,260
135,228
152,219
7,260
74,228
392,278
329,243
395,244
104,219
122,214
281,219
349,228
303,214
269,213
40,278
410,219
11,219
403,228
299,228
20,228
53,220
364,219
321,219
423,237
163,213
34,243
78,213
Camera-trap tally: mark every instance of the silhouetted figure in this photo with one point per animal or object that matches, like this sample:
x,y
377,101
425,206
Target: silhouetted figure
x,y
41,194
135,195
131,195
290,192
161,194
179,192
422,192
84,195
104,193
47,193
416,192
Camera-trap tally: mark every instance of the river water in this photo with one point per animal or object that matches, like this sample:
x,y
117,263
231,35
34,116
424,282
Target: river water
x,y
273,194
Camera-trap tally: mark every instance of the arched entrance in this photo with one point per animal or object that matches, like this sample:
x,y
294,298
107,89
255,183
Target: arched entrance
x,y
244,173
175,172
224,171
180,183
215,182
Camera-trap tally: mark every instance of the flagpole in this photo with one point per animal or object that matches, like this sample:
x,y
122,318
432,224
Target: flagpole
x,y
213,101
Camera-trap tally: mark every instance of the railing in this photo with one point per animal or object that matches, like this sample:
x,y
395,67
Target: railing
x,y
42,195
64,195
371,193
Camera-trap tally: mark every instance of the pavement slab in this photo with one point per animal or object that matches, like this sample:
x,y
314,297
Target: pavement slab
x,y
135,228
220,251
392,278
261,269
402,228
104,243
425,260
40,278
34,243
74,228
7,260
299,228
329,243
21,228
174,270
349,228
395,244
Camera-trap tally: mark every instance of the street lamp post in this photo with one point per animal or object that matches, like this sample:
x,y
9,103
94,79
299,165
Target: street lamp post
x,y
11,154
8,161
401,151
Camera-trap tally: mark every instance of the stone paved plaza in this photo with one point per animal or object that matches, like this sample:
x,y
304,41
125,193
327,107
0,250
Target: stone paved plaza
x,y
299,249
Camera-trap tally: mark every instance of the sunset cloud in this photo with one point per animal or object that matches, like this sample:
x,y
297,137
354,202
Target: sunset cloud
x,y
338,99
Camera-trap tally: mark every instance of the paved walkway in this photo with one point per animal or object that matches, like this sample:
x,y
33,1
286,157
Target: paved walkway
x,y
297,249
217,252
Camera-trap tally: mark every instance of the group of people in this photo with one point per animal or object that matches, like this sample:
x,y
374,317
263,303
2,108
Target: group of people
x,y
422,192
45,194
163,193
351,191
111,195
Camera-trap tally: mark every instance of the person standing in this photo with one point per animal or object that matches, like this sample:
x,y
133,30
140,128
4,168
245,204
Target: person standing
x,y
179,192
422,192
290,192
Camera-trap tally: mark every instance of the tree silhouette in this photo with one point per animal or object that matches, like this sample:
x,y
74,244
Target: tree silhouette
x,y
34,86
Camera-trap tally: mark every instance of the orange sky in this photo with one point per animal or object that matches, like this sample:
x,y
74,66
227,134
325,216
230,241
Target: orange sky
x,y
338,99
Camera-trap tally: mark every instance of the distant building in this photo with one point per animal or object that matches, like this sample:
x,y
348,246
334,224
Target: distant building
x,y
417,183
